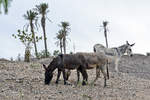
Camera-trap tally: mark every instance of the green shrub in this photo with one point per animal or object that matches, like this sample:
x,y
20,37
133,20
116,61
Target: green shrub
x,y
42,54
56,53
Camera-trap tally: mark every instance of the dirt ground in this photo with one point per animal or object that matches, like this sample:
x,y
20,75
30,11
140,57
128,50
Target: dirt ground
x,y
25,81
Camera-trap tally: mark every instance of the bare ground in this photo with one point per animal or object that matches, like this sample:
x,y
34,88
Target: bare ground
x,y
25,81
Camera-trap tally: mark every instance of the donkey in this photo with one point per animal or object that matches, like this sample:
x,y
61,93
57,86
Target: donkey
x,y
98,60
65,61
116,52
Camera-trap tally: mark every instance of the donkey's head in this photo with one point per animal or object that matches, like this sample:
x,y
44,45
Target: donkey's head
x,y
48,75
51,67
128,48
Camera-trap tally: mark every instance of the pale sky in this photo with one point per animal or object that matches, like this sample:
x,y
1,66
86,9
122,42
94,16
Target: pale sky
x,y
128,20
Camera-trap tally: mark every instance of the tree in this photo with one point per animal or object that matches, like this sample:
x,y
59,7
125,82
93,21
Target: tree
x,y
59,37
31,16
56,53
5,4
26,39
42,54
43,10
65,30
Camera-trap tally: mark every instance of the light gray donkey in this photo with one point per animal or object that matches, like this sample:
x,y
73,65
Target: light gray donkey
x,y
116,52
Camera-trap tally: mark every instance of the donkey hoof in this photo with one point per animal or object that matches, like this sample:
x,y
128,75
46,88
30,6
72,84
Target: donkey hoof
x,y
56,82
105,86
84,83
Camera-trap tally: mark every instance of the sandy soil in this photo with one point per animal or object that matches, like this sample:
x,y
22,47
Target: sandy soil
x,y
25,81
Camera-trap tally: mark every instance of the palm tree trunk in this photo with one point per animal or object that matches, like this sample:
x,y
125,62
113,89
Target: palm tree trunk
x,y
60,46
35,47
34,41
107,66
44,32
64,44
105,32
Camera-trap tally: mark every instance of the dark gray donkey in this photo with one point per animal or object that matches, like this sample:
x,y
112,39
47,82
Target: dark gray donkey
x,y
98,61
66,61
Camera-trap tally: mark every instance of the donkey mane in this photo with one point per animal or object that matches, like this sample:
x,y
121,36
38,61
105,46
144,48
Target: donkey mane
x,y
91,54
123,48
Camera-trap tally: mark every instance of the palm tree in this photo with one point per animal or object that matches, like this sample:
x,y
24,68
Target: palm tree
x,y
65,29
31,16
43,10
5,4
105,23
59,37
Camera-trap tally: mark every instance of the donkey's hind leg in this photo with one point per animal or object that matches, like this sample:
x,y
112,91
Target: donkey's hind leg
x,y
97,74
78,76
107,68
104,73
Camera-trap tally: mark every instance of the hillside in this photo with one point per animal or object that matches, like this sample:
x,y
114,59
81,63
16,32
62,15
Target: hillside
x,y
25,81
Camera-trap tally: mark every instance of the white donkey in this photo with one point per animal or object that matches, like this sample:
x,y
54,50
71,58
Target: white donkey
x,y
116,52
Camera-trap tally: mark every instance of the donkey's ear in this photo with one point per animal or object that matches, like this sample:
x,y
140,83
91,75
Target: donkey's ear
x,y
132,44
44,66
61,55
127,43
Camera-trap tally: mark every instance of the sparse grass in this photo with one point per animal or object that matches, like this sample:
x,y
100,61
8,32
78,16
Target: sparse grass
x,y
21,95
79,84
85,97
35,65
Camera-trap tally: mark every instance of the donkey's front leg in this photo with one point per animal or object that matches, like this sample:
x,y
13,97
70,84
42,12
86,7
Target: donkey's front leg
x,y
58,75
85,76
64,76
116,64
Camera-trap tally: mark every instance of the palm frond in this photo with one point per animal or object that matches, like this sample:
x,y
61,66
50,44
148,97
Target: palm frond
x,y
5,4
105,23
25,27
30,15
42,8
49,19
37,24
